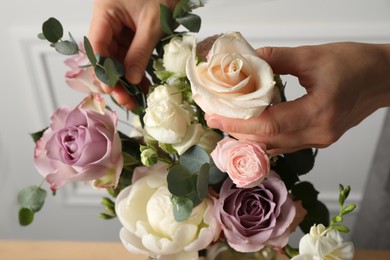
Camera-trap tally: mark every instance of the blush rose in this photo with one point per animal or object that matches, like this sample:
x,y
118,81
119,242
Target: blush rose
x,y
246,162
81,144
255,217
234,82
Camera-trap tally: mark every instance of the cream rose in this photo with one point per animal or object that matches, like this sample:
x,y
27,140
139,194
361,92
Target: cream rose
x,y
149,228
176,53
234,82
166,117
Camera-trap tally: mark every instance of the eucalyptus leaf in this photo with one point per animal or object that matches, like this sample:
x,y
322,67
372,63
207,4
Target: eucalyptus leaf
x,y
181,8
190,21
41,36
182,208
52,30
32,197
194,158
89,52
26,216
180,182
216,175
66,47
202,183
72,38
111,73
289,177
37,135
166,19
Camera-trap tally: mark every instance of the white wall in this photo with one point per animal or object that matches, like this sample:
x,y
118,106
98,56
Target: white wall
x,y
32,79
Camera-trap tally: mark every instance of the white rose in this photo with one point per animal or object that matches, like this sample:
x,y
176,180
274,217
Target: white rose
x,y
176,53
321,243
234,82
166,117
192,137
149,228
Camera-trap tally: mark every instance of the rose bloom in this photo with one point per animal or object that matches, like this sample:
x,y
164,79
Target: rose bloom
x,y
168,119
81,79
176,53
234,82
81,144
149,228
252,218
322,243
245,162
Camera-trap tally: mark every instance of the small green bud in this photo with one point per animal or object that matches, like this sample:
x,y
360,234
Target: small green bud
x,y
149,157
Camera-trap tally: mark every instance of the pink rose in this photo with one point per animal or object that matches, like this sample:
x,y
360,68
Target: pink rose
x,y
81,79
255,217
245,162
81,144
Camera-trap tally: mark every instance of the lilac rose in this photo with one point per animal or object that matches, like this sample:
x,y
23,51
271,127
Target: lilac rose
x,y
81,144
252,218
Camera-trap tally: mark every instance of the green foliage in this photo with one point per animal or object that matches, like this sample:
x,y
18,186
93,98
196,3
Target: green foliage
x,y
52,30
109,207
89,52
30,200
190,21
37,135
182,208
66,47
305,192
166,19
301,161
344,209
194,158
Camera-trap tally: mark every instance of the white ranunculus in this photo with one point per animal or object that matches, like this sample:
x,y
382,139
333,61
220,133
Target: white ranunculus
x,y
321,243
176,53
166,117
149,228
234,82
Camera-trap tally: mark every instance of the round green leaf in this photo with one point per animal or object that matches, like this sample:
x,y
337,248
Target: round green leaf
x,y
300,162
305,192
26,216
316,214
52,30
190,21
32,197
111,73
202,183
182,208
166,19
216,175
180,181
194,158
89,51
66,47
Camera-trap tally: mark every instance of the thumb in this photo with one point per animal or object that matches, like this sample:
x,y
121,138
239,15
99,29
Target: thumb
x,y
283,60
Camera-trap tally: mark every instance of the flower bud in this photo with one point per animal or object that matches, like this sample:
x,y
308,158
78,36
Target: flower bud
x,y
149,157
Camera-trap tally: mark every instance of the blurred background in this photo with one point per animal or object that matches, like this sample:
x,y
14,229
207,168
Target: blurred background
x,y
32,76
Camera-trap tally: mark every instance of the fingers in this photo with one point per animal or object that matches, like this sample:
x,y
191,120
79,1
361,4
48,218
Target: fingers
x,y
280,118
283,60
145,39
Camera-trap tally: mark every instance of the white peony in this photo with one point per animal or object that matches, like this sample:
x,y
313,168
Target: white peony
x,y
149,228
322,243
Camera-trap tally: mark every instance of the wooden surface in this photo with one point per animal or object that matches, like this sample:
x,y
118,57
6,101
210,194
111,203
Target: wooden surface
x,y
61,250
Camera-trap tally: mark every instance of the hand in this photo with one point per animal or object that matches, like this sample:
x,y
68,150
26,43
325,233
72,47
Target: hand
x,y
345,83
127,30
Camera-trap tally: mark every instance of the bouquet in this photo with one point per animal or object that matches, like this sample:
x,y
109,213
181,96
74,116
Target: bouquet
x,y
180,189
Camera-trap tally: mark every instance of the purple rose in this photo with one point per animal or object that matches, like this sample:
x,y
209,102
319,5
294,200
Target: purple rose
x,y
254,217
81,144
